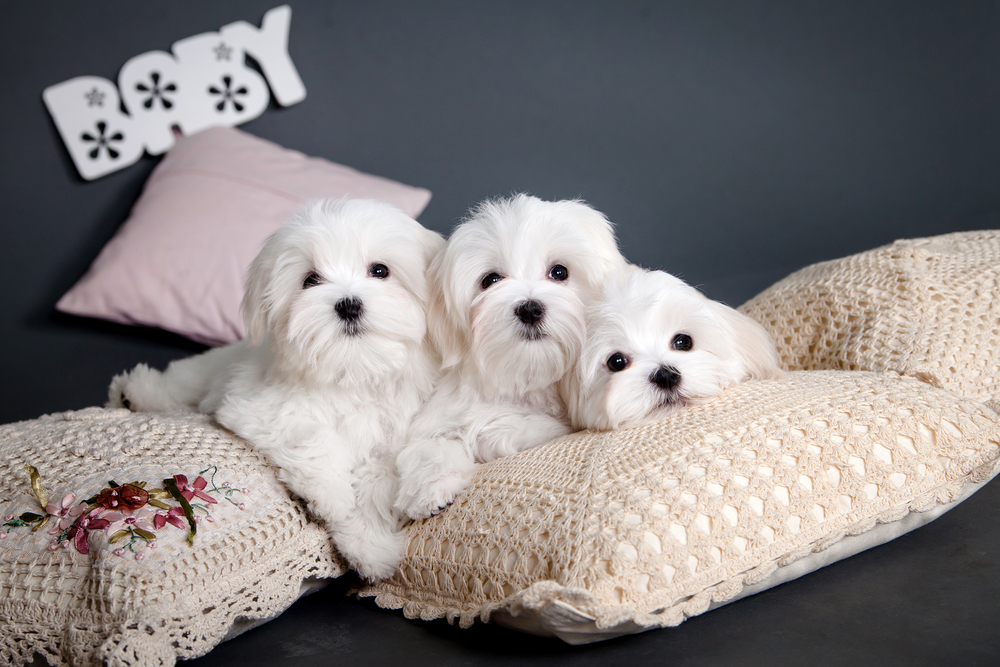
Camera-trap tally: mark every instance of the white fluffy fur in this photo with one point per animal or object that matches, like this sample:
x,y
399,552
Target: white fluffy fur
x,y
639,315
499,393
328,406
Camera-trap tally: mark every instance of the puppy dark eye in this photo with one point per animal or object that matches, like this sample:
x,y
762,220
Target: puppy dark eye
x,y
559,273
312,280
618,362
491,279
380,271
682,342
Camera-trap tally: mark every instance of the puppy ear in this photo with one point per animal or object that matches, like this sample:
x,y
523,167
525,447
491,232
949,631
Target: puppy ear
x,y
601,233
446,328
570,391
751,342
431,245
258,297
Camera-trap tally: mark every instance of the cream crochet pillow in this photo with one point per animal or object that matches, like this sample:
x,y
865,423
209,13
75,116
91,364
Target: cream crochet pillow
x,y
112,578
929,308
600,534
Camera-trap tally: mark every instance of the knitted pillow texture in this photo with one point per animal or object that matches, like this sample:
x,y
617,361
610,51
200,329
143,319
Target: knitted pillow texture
x,y
179,261
928,307
116,575
599,534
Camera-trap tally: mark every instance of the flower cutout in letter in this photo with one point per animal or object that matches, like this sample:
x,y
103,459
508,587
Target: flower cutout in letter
x,y
102,140
156,91
223,52
228,94
95,98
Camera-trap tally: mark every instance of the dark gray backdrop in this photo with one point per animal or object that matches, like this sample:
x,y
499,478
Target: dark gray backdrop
x,y
731,142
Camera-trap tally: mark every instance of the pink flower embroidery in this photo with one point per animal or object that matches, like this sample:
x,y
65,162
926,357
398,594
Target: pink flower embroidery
x,y
87,522
173,517
197,489
141,520
64,513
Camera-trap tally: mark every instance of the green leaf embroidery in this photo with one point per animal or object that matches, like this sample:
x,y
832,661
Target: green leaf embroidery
x,y
36,485
118,537
144,534
36,488
171,485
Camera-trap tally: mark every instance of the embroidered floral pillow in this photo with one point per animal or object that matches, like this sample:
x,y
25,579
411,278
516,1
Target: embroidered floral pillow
x,y
134,539
126,513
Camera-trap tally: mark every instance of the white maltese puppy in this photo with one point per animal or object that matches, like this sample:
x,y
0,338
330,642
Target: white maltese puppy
x,y
655,344
507,314
336,363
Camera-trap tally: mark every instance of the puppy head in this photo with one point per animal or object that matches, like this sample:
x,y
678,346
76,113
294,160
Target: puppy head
x,y
654,343
339,292
510,287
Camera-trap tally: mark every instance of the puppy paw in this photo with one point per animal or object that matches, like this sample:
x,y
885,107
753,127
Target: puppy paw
x,y
141,389
332,505
382,565
376,571
432,498
117,392
371,549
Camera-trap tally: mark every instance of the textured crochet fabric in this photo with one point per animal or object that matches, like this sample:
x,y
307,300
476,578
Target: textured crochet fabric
x,y
929,308
141,601
597,534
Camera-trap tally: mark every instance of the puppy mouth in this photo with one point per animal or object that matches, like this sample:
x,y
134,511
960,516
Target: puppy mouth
x,y
533,333
668,400
353,329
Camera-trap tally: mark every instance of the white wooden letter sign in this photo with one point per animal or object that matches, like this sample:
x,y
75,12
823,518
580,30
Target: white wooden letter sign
x,y
203,83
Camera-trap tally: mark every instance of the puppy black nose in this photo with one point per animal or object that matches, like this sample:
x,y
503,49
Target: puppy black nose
x,y
530,312
665,377
349,309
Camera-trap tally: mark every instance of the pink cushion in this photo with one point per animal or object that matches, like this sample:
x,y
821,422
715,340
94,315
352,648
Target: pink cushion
x,y
178,262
